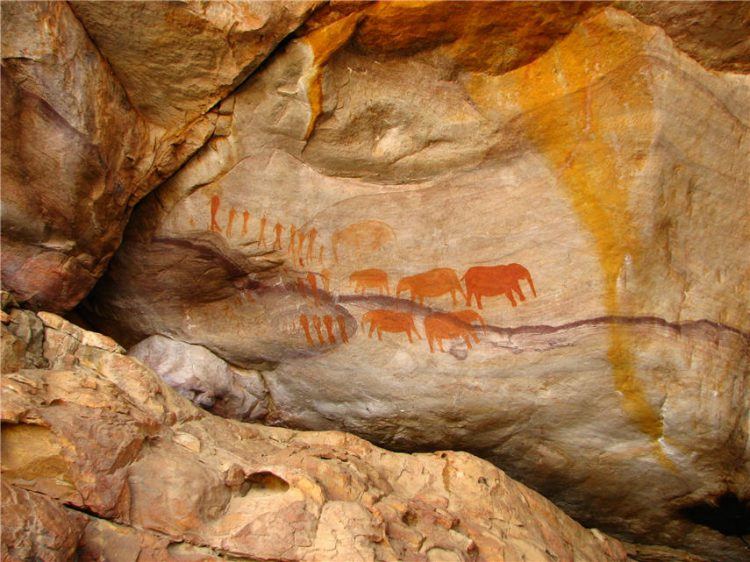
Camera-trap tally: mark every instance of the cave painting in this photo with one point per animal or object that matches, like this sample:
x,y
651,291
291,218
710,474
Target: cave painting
x,y
292,237
245,219
433,283
311,244
370,279
446,325
489,281
390,321
325,275
328,324
341,321
316,324
470,316
305,323
262,231
362,237
313,287
277,230
297,254
232,214
215,203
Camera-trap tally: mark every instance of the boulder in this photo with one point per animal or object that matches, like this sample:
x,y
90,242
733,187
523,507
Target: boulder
x,y
536,257
114,465
204,379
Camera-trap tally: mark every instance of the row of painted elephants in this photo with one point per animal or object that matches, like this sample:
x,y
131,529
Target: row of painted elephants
x,y
480,281
438,326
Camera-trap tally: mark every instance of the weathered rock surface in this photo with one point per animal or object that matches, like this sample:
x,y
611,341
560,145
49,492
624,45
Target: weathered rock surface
x,y
102,459
606,163
80,150
177,59
205,379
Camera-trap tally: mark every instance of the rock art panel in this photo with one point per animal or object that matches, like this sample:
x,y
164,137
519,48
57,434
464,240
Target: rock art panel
x,y
555,231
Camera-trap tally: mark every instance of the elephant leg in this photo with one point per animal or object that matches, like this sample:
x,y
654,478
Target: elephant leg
x,y
479,300
468,341
453,296
469,294
380,335
509,294
517,289
440,344
408,335
474,335
429,341
372,329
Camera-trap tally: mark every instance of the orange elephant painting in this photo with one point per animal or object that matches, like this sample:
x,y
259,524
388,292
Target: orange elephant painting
x,y
370,279
433,283
390,321
490,281
362,237
445,325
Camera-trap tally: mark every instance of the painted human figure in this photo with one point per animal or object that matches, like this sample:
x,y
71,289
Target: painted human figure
x,y
311,244
245,219
215,203
292,238
306,327
328,321
262,232
232,214
278,229
316,324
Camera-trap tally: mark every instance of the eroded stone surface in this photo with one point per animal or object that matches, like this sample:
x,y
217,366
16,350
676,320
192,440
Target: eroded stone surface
x,y
86,135
615,358
176,483
177,59
204,379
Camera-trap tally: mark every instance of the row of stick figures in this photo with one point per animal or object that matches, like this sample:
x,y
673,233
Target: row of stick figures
x,y
297,237
327,322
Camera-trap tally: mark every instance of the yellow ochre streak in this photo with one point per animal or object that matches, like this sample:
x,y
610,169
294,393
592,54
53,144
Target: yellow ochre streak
x,y
581,135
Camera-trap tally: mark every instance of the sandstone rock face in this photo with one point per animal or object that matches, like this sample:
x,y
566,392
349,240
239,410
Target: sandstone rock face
x,y
70,142
79,149
102,460
177,59
204,379
342,235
